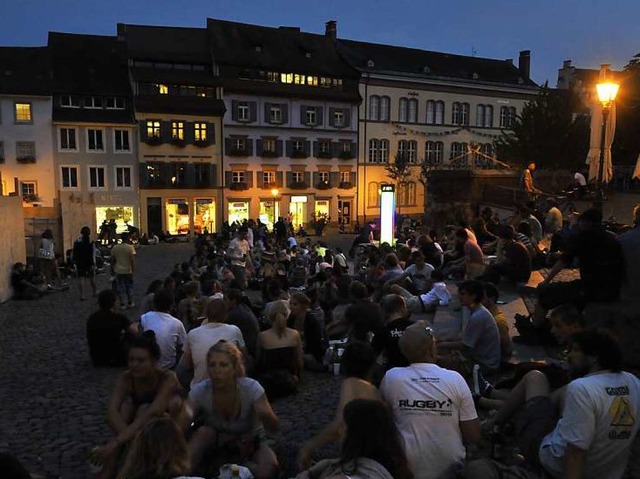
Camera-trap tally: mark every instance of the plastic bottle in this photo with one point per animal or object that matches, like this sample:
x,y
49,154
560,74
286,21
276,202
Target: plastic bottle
x,y
335,360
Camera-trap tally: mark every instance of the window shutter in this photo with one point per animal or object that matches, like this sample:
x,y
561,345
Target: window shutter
x,y
211,133
213,170
332,112
260,179
191,174
189,132
316,178
248,177
234,110
142,173
289,148
279,148
316,148
267,112
143,130
227,179
285,113
303,115
249,143
334,178
289,178
352,178
319,116
347,117
307,178
307,148
253,111
165,131
335,148
166,170
227,145
279,179
259,149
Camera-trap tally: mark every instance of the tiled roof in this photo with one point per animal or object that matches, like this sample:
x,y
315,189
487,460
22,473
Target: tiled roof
x,y
184,105
275,49
174,77
372,57
25,71
169,44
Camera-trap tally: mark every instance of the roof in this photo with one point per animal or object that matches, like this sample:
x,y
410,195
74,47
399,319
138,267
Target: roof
x,y
184,105
591,76
25,71
283,49
428,64
174,77
170,44
89,64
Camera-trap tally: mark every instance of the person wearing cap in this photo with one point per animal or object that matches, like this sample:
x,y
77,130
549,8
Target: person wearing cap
x,y
602,271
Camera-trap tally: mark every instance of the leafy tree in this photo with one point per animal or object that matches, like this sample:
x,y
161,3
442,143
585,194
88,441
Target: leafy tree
x,y
547,132
399,171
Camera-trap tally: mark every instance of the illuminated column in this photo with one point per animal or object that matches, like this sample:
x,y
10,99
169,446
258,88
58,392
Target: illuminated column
x,y
387,213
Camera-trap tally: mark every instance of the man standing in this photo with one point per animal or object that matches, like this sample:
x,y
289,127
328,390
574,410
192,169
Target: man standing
x,y
432,408
123,265
238,254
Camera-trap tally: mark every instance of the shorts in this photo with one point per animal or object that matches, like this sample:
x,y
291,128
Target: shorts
x,y
533,423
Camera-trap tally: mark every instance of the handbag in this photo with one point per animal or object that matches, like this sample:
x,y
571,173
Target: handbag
x,y
45,254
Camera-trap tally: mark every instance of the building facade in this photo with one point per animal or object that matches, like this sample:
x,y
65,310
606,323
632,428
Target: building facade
x,y
291,124
179,108
94,134
428,107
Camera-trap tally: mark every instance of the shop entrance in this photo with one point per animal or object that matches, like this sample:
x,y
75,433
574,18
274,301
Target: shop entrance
x,y
205,215
269,212
298,211
238,211
154,216
177,216
344,212
122,215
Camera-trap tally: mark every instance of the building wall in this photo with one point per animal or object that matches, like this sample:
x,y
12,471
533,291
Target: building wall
x,y
39,131
371,175
12,244
166,153
258,194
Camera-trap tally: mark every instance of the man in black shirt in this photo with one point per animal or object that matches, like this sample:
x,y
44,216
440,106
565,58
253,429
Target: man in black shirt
x,y
602,270
106,333
386,339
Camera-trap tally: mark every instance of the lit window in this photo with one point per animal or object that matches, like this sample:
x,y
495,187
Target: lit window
x,y
95,140
200,130
153,129
237,176
163,89
23,113
96,177
123,177
268,177
345,177
177,130
323,176
68,139
121,140
286,78
69,176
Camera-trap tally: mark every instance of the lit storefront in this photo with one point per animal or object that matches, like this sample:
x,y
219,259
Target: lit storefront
x,y
238,211
322,208
205,215
269,212
177,216
298,210
122,215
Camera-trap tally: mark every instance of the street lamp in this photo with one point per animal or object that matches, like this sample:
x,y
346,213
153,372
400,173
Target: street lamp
x,y
276,213
607,92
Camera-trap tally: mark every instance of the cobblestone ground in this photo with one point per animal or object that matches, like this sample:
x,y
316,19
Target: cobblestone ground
x,y
52,401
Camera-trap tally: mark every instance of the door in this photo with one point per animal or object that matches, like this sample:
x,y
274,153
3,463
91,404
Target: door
x,y
344,212
298,211
154,216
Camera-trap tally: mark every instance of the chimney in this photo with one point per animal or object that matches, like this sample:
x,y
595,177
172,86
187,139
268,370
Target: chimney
x,y
331,29
524,63
566,64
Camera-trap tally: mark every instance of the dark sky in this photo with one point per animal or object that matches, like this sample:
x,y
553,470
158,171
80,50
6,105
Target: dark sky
x,y
588,32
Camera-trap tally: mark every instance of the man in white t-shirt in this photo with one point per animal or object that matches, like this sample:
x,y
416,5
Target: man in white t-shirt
x,y
238,254
599,421
200,339
431,406
170,332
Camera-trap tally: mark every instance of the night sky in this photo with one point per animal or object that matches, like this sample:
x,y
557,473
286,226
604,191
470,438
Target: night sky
x,y
588,32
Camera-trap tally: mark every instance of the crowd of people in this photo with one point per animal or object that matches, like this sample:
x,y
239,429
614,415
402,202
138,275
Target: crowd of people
x,y
242,323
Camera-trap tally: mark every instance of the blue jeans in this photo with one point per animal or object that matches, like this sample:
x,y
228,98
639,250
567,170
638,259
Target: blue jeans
x,y
124,286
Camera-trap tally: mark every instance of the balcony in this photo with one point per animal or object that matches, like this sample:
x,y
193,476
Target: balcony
x,y
26,159
298,185
323,185
238,186
345,185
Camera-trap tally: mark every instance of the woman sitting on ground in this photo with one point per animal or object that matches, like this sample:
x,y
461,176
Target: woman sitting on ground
x,y
357,364
372,447
147,301
232,411
142,393
280,359
159,451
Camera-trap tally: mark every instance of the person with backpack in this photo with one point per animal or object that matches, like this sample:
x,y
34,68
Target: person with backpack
x,y
84,257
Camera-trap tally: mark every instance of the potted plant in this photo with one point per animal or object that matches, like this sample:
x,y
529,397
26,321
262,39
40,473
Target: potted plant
x,y
30,198
319,222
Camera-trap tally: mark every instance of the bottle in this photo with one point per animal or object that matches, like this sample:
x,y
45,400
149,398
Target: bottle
x,y
235,471
335,360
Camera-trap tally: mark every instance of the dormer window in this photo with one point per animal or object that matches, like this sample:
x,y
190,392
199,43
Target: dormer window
x,y
163,89
371,64
426,70
258,48
307,54
93,102
475,76
69,101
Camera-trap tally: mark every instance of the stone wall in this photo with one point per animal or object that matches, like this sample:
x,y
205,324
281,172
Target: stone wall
x,y
12,244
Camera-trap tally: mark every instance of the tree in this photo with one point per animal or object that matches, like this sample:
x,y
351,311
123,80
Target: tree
x,y
552,131
626,143
399,171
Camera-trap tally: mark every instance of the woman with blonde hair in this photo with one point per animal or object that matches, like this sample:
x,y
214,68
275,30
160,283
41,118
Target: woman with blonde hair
x,y
280,359
159,451
233,411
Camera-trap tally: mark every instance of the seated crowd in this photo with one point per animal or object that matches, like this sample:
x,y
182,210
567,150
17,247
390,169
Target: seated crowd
x,y
205,360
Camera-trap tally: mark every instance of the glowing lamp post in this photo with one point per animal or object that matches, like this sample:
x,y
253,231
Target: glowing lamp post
x,y
387,213
607,95
276,213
